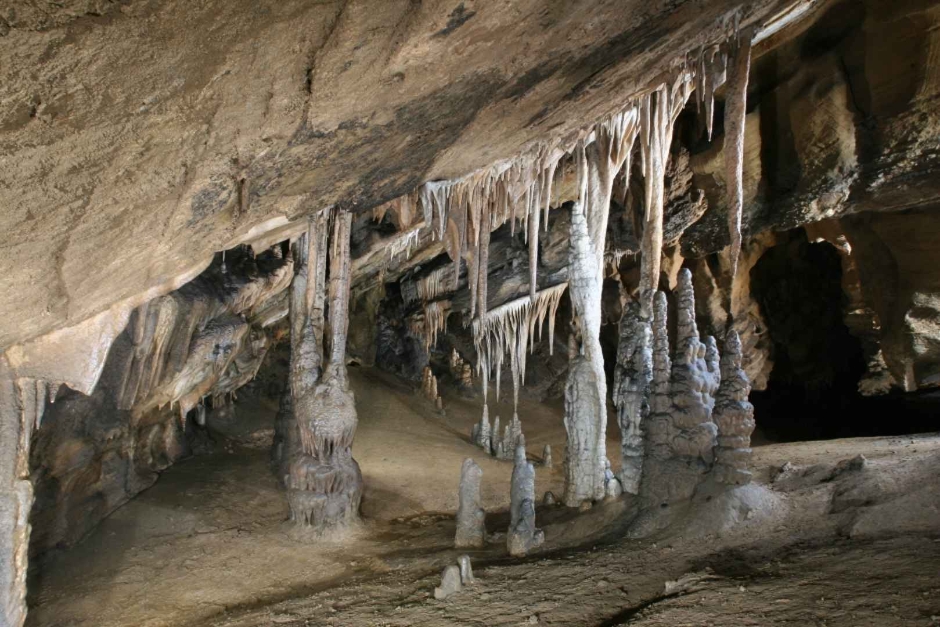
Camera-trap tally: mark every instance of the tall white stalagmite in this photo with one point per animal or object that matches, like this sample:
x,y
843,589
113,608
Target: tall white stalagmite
x,y
735,119
586,390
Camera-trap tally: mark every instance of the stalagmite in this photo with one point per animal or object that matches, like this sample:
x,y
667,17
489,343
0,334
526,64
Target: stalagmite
x,y
325,485
734,416
547,456
450,582
735,121
483,432
681,435
632,378
471,518
466,570
497,442
523,535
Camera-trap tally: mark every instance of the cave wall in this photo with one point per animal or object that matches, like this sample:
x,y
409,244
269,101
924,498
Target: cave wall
x,y
179,353
842,128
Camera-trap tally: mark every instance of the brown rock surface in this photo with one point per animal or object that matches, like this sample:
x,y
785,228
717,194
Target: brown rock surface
x,y
137,139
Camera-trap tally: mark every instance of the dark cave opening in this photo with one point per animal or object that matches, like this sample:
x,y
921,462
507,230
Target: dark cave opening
x,y
812,393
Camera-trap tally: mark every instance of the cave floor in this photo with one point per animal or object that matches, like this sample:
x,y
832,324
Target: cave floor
x,y
209,545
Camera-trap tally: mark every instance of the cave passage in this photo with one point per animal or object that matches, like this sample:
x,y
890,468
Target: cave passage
x,y
812,393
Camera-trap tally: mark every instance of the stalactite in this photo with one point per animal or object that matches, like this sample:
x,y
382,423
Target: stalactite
x,y
433,285
429,322
659,111
735,121
403,243
541,203
513,328
483,264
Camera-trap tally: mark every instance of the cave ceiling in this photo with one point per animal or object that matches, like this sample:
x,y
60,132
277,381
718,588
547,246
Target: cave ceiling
x,y
139,138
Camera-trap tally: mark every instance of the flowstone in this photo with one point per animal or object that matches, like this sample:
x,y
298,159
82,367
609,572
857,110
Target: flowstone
x,y
523,535
471,529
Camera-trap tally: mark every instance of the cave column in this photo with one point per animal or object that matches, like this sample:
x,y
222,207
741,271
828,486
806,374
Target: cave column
x,y
324,482
17,417
307,318
586,476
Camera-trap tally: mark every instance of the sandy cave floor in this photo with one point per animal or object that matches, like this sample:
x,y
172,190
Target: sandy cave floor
x,y
209,545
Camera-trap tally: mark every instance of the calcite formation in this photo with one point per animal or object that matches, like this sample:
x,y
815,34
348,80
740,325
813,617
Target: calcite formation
x,y
632,378
466,570
586,390
471,517
429,386
460,371
450,582
523,536
681,434
325,484
513,328
734,416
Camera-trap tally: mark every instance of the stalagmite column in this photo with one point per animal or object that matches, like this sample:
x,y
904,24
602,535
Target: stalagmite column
x,y
325,481
734,416
471,530
681,433
632,379
586,389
